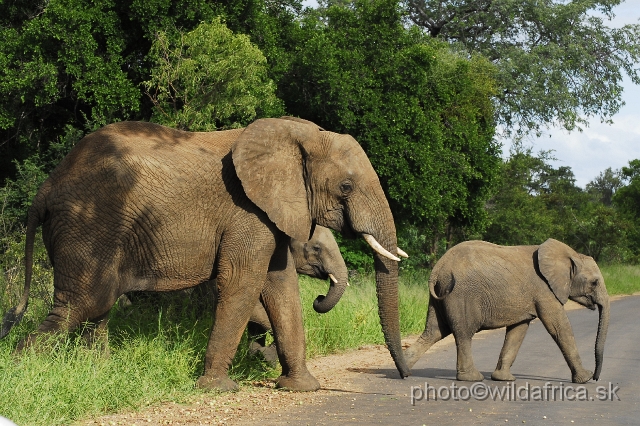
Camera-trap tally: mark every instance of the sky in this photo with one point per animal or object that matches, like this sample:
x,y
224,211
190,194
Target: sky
x,y
600,146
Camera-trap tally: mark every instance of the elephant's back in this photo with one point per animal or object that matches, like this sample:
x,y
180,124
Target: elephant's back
x,y
142,141
123,155
495,280
144,196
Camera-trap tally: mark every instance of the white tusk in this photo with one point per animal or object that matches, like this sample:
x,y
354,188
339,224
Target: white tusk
x,y
333,278
348,284
378,248
402,253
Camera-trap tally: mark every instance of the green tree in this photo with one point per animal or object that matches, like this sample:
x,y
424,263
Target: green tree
x,y
80,63
518,215
422,113
604,186
536,201
627,200
210,79
602,233
558,61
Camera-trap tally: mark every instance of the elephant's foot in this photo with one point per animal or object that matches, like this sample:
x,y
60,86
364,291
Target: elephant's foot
x,y
38,342
470,376
412,354
221,383
304,383
503,376
582,376
269,353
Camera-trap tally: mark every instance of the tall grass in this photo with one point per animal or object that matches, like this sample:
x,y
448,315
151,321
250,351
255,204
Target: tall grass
x,y
355,321
621,279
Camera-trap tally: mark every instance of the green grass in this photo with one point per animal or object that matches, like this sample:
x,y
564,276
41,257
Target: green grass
x,y
355,321
154,357
621,279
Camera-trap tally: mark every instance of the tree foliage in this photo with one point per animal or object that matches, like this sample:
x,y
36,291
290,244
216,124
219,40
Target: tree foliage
x,y
605,185
209,79
536,201
81,63
558,61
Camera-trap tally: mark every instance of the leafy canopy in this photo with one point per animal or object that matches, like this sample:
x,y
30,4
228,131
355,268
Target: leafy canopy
x,y
69,66
535,201
558,62
209,79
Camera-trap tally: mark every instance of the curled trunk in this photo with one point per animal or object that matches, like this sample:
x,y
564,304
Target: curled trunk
x,y
324,304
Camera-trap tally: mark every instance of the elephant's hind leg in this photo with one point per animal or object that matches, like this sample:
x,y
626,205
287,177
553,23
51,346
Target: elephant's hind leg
x,y
435,330
74,303
95,333
466,369
512,341
258,328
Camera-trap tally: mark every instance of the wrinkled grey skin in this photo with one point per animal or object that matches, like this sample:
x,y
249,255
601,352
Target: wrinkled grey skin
x,y
114,221
478,286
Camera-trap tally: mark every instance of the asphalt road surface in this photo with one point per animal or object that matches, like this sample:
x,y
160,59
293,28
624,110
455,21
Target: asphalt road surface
x,y
542,394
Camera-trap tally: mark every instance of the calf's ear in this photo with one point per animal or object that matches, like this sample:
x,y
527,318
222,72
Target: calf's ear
x,y
557,264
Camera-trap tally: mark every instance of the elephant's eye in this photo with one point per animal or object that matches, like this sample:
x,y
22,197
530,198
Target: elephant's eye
x,y
594,283
346,187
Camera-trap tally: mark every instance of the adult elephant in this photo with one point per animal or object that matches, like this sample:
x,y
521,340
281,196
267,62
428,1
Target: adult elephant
x,y
137,206
478,286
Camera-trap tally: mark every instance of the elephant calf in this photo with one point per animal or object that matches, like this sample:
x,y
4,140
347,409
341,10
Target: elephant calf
x,y
319,257
479,286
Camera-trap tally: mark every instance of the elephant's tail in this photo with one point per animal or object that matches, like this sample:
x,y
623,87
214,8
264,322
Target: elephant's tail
x,y
34,218
440,284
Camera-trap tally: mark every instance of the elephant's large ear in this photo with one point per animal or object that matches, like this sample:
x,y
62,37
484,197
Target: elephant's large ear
x,y
269,158
555,260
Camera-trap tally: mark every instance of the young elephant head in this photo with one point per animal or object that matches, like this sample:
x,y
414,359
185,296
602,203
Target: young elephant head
x,y
300,175
577,277
320,258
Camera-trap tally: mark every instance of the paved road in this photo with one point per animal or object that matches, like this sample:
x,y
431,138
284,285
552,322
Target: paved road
x,y
385,399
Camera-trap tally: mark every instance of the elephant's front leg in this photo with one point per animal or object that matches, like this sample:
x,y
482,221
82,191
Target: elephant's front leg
x,y
512,342
281,297
241,276
557,323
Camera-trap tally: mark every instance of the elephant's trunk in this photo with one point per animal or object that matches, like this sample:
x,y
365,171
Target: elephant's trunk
x,y
388,309
377,221
324,304
603,326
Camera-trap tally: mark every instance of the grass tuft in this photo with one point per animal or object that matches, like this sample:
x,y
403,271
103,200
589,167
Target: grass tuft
x,y
621,279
